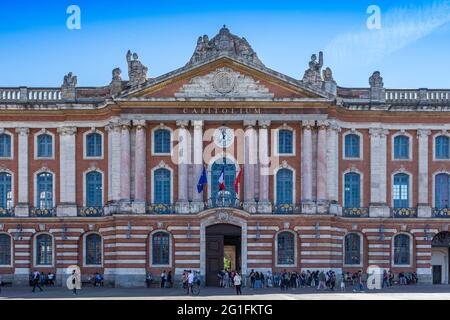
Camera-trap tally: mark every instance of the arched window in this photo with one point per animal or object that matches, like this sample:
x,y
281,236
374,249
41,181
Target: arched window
x,y
286,248
162,141
352,249
5,249
285,141
229,173
5,145
93,249
94,145
352,190
94,189
44,250
45,190
5,191
442,147
352,146
401,249
401,147
401,190
161,182
161,248
284,187
44,146
442,191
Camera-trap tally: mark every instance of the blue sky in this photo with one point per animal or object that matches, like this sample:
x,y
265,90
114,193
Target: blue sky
x,y
412,48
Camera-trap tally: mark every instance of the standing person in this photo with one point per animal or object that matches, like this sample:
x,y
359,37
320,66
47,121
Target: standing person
x,y
163,279
322,280
342,283
169,279
190,281
36,279
385,279
237,280
74,282
332,281
252,279
149,280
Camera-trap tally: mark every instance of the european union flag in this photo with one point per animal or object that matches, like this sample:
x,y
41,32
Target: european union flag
x,y
202,181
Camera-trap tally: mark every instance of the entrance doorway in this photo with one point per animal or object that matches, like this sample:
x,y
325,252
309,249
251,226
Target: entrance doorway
x,y
440,257
223,250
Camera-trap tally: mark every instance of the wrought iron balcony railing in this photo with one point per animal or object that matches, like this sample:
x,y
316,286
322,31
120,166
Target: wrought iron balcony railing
x,y
42,212
404,212
286,208
6,212
440,213
224,199
91,211
160,208
355,212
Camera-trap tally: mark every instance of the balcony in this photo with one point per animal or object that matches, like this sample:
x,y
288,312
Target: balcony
x,y
42,212
91,212
160,208
355,212
224,199
286,208
6,212
440,213
404,212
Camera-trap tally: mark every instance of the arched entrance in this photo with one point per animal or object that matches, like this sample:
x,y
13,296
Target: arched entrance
x,y
440,248
223,250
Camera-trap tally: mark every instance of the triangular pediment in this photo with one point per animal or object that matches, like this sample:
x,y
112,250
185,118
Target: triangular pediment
x,y
224,78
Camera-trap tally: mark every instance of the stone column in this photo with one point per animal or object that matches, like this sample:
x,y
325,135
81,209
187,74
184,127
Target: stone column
x,y
125,166
322,201
67,172
182,205
307,199
114,154
423,207
140,168
378,173
264,205
197,201
250,156
23,206
333,167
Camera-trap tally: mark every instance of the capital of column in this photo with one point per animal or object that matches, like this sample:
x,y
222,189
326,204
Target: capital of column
x,y
249,124
378,132
333,126
125,124
23,131
264,124
113,126
182,123
322,124
67,131
423,133
308,124
139,124
197,124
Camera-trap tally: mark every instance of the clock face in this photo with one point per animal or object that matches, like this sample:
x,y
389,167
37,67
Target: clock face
x,y
223,137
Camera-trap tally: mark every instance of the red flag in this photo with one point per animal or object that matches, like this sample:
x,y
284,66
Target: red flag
x,y
237,181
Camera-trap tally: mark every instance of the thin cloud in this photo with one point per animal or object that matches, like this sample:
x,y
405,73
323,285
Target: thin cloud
x,y
399,28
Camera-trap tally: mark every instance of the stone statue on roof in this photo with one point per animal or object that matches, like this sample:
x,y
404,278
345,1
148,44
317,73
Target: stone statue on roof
x,y
70,80
137,72
313,75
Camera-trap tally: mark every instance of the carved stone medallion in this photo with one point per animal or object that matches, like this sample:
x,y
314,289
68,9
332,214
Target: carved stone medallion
x,y
223,82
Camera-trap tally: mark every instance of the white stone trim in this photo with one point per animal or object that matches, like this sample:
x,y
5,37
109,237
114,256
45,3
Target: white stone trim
x,y
164,127
361,185
36,135
410,186
93,169
411,240
12,250
361,251
11,135
85,134
433,182
85,248
275,141
295,249
284,165
150,249
161,165
441,133
36,196
361,144
35,248
410,145
8,171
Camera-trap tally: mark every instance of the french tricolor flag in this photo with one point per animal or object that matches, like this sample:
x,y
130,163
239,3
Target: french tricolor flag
x,y
222,180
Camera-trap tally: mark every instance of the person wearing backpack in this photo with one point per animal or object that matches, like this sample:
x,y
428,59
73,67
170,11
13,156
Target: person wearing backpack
x,y
36,280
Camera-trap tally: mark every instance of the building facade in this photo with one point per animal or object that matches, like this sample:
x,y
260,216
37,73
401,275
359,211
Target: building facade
x,y
106,178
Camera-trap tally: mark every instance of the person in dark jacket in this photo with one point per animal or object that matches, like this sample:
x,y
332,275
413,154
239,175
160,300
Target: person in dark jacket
x,y
36,280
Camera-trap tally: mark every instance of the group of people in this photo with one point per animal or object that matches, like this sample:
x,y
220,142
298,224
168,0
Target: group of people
x,y
188,279
166,279
229,279
403,278
40,279
97,280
